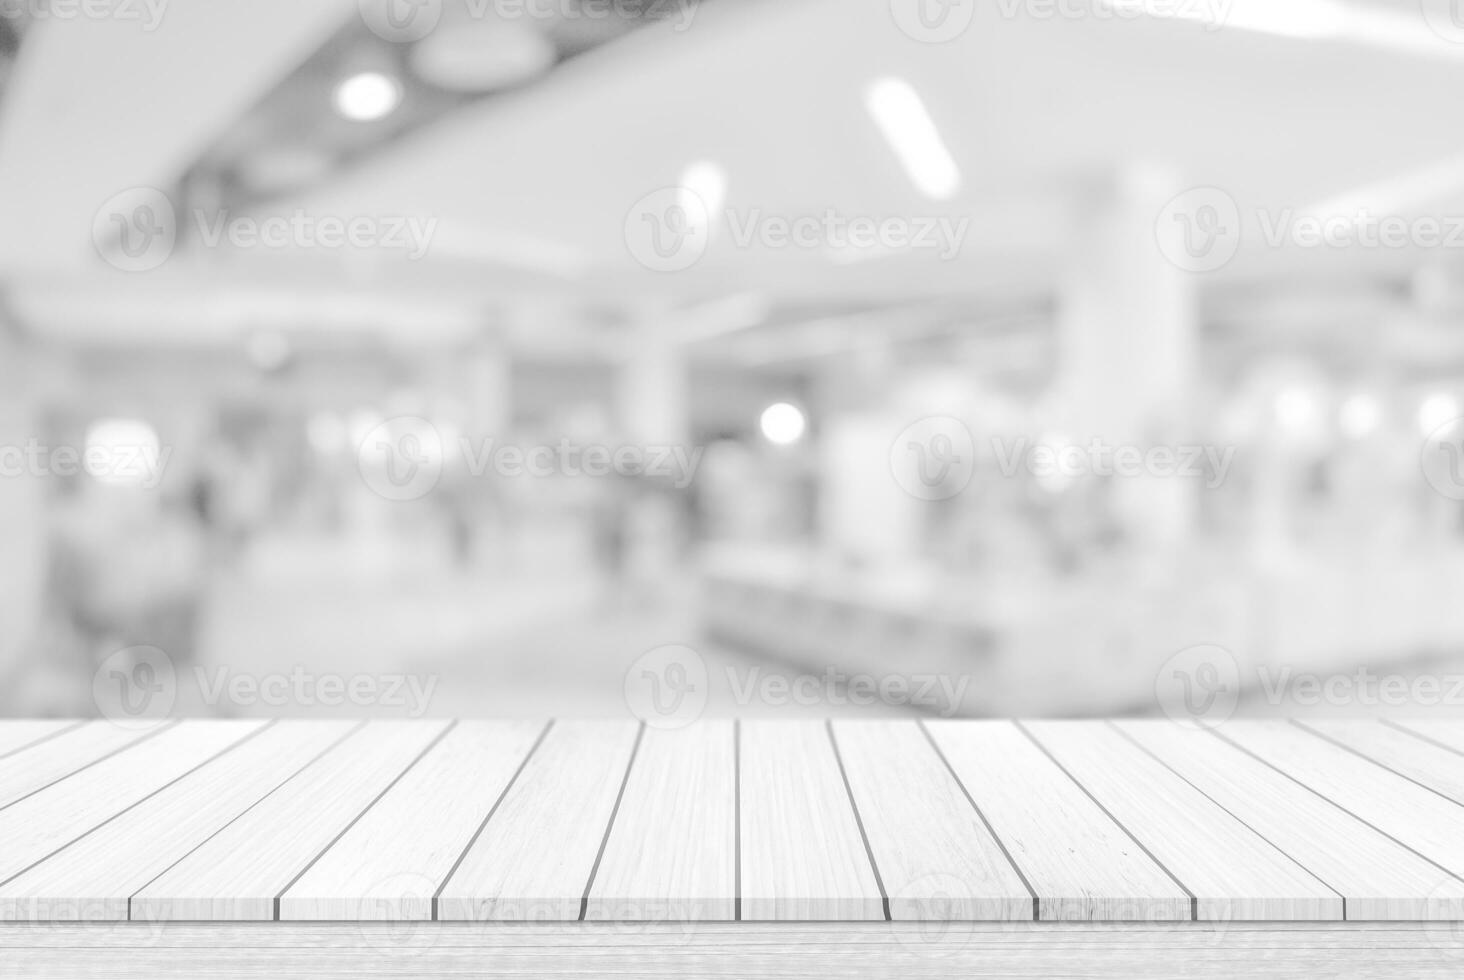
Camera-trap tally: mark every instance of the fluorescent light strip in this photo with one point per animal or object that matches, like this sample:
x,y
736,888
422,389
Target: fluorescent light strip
x,y
902,117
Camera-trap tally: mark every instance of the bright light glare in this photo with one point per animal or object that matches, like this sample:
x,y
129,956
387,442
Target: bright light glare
x,y
902,117
1287,18
122,452
1436,410
1292,18
1361,415
783,424
367,96
1296,409
703,192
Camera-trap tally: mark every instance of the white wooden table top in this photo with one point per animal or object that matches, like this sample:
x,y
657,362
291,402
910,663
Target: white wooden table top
x,y
720,821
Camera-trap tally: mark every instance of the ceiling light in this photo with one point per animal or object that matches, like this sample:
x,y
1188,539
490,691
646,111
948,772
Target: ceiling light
x,y
367,96
703,191
902,117
1437,411
123,453
1296,409
783,424
1361,415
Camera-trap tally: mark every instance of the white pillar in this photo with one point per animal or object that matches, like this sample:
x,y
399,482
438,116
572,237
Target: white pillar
x,y
22,510
1128,335
489,377
652,391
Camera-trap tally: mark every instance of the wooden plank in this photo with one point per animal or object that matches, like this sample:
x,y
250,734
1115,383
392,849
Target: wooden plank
x,y
26,772
22,734
1379,878
932,854
43,823
1421,820
672,852
1080,862
240,872
803,856
1404,752
391,863
1234,873
720,951
93,878
535,857
1445,734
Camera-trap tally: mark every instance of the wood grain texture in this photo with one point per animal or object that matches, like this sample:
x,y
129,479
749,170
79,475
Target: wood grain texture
x,y
1078,860
43,823
803,857
534,859
93,878
1406,753
722,951
1445,734
672,852
18,735
1234,873
240,872
1414,816
392,862
71,751
932,853
1379,878
950,822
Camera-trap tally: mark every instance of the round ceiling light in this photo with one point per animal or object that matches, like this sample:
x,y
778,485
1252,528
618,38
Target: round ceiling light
x,y
367,96
783,424
483,56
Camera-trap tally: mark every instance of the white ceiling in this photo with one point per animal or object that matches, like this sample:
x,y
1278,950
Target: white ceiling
x,y
531,191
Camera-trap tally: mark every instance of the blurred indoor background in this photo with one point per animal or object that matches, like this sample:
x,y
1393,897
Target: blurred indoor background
x,y
1026,346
